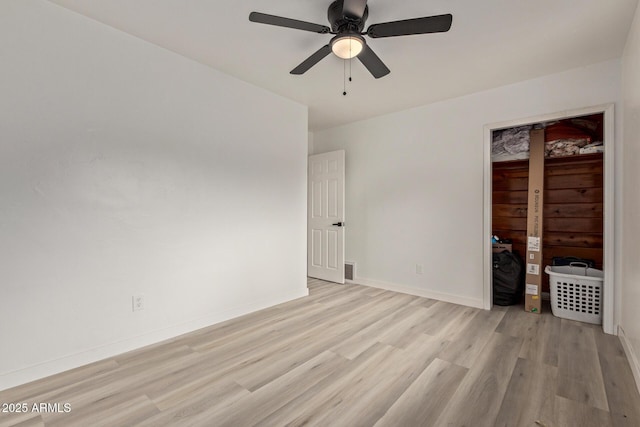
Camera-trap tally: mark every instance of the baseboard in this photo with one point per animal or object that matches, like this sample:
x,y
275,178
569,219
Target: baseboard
x,y
52,367
440,296
632,357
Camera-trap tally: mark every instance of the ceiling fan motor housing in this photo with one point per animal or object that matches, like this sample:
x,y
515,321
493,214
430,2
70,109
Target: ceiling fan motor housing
x,y
341,23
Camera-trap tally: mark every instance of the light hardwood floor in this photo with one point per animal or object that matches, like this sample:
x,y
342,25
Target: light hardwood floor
x,y
350,355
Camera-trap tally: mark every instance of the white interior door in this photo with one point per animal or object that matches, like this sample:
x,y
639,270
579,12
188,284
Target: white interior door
x,y
325,213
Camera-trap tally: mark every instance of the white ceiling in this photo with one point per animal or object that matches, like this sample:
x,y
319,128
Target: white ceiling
x,y
491,43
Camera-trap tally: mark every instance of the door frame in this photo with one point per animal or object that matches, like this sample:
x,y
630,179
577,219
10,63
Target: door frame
x,y
610,294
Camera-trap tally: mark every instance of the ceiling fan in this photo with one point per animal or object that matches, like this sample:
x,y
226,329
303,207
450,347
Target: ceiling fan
x,y
347,19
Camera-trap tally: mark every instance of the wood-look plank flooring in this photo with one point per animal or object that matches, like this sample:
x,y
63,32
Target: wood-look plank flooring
x,y
350,355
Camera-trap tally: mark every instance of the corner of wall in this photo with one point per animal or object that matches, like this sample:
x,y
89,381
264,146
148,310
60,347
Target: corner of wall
x,y
634,361
310,149
629,229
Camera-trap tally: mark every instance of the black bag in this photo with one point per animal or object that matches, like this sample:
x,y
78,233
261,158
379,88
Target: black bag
x,y
508,278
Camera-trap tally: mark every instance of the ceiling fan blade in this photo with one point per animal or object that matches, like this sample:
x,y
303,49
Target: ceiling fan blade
x,y
312,60
353,9
279,21
374,64
429,24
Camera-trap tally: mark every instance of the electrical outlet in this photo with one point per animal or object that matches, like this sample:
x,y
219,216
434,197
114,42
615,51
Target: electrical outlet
x,y
138,302
419,269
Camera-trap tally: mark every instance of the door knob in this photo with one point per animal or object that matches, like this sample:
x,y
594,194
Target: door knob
x,y
338,224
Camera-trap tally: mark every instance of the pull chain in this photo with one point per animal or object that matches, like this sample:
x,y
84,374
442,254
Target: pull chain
x,y
344,72
344,78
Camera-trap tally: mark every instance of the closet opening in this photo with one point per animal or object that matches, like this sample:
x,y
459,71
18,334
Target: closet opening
x,y
577,212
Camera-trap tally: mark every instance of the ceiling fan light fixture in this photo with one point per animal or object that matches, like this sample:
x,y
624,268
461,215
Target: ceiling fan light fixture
x,y
347,46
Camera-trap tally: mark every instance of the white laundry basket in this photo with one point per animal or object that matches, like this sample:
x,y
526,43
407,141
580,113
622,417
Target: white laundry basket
x,y
576,292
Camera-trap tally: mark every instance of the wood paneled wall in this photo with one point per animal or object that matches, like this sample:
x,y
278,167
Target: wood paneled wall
x,y
573,207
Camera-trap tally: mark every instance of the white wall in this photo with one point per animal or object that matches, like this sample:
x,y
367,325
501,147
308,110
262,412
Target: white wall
x,y
414,180
630,318
126,169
